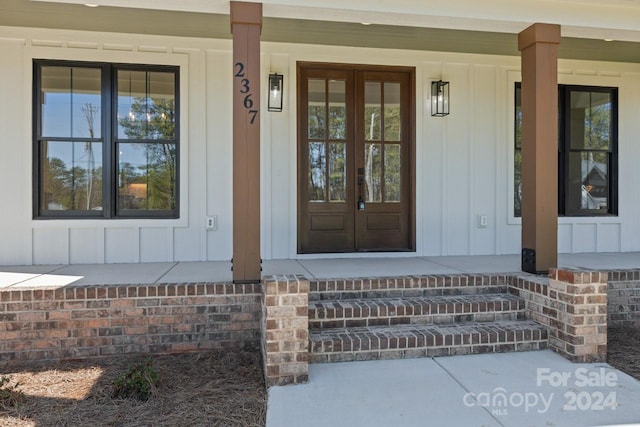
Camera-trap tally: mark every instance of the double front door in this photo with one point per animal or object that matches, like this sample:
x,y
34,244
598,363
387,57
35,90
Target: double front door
x,y
355,158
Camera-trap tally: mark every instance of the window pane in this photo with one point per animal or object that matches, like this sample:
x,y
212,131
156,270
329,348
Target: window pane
x,y
146,176
71,176
392,112
317,109
588,181
372,110
71,102
337,110
317,172
146,105
338,172
392,164
590,120
373,172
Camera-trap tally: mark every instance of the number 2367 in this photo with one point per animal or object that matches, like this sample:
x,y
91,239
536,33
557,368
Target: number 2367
x,y
245,89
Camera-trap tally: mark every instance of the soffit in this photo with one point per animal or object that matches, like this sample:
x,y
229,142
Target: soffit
x,y
503,15
34,14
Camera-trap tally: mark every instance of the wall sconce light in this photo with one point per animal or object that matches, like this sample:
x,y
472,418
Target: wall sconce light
x,y
275,92
440,98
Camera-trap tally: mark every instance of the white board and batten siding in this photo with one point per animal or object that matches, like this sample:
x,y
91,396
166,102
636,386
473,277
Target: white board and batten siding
x,y
464,162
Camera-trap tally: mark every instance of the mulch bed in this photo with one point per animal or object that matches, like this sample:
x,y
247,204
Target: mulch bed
x,y
222,388
623,350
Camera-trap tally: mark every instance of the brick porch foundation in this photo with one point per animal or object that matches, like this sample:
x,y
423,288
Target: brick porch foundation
x,y
88,321
623,296
285,329
572,304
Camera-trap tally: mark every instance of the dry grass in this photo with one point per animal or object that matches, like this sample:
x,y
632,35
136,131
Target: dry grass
x,y
196,389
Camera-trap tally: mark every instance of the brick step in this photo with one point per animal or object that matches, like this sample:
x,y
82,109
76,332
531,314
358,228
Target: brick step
x,y
350,313
406,286
408,341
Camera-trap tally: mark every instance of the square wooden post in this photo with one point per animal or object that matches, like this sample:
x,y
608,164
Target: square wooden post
x,y
246,25
538,45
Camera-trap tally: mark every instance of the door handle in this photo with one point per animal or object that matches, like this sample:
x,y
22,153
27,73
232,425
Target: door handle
x,y
360,204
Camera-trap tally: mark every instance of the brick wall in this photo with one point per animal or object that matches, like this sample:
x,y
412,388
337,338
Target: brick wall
x,y
87,321
573,305
624,298
285,329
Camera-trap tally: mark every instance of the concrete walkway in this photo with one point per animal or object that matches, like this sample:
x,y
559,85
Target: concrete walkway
x,y
220,271
529,389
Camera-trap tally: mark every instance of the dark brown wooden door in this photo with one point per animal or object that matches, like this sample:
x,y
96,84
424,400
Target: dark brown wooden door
x,y
354,158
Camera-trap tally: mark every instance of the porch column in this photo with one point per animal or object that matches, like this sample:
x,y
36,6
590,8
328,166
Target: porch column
x,y
246,25
538,45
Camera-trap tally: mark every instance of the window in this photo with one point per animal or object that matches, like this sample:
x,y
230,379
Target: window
x,y
105,140
587,151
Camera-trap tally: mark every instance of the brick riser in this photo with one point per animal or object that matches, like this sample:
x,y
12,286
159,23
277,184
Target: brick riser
x,y
409,341
425,310
408,293
407,287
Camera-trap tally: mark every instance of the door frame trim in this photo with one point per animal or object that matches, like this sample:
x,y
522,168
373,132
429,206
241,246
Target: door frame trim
x,y
411,71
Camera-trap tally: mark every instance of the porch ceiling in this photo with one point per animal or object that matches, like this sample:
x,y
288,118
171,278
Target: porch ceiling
x,y
38,14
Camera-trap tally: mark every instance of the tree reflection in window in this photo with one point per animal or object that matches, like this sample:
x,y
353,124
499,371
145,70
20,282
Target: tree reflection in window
x,y
147,157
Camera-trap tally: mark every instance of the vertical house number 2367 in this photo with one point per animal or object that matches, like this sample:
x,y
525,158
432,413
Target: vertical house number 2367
x,y
245,89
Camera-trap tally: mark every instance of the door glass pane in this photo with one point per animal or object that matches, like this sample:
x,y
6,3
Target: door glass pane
x,y
146,105
588,181
373,172
317,109
392,118
71,102
392,164
71,176
338,172
518,116
590,120
372,110
146,176
337,110
317,172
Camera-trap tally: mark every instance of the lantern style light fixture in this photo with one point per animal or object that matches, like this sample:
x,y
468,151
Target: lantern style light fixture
x,y
275,92
439,98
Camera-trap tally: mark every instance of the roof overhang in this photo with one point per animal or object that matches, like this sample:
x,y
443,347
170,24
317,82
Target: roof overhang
x,y
487,27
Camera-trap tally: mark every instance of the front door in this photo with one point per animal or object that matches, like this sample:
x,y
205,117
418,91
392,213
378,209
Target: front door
x,y
355,162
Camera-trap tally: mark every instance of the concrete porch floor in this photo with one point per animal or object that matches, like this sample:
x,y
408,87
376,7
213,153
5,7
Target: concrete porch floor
x,y
220,271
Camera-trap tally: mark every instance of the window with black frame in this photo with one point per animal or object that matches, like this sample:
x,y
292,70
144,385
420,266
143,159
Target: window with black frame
x,y
105,140
587,151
